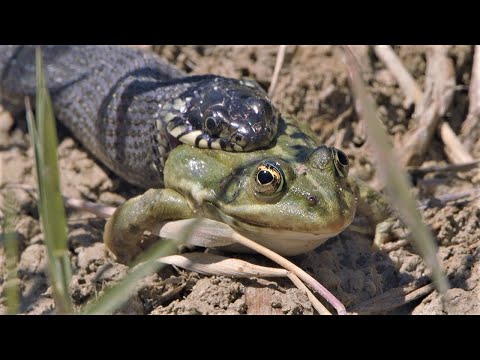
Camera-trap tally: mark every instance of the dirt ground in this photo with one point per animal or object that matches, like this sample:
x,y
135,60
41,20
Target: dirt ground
x,y
313,86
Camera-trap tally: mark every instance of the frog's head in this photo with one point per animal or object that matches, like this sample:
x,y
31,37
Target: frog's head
x,y
289,204
290,197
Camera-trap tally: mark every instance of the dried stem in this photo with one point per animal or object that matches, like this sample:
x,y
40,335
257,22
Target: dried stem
x,y
454,149
439,89
211,264
431,106
409,86
276,72
102,211
327,295
472,120
393,299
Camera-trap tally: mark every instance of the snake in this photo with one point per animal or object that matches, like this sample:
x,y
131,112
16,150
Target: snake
x,y
130,107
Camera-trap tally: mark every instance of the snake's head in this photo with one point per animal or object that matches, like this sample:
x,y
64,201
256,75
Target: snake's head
x,y
253,121
227,114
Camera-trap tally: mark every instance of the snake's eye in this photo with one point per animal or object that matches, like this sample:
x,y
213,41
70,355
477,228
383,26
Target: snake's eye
x,y
214,121
269,179
342,164
210,124
213,125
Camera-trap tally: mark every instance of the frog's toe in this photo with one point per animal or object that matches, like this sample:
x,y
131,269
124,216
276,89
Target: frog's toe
x,y
382,233
123,241
388,230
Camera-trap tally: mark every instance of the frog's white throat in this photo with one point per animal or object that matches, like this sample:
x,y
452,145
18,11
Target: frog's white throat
x,y
284,242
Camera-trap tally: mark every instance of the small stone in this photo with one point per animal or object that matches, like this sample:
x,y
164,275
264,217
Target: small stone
x,y
276,305
91,254
33,260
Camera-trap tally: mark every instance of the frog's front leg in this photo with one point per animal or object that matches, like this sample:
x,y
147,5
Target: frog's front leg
x,y
375,206
123,231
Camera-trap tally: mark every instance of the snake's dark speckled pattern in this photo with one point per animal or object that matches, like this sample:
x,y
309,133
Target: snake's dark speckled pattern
x,y
130,108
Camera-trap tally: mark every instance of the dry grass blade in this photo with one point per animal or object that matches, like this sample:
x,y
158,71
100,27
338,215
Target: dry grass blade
x,y
417,171
464,196
276,71
393,176
102,211
211,264
322,310
393,299
440,87
51,208
454,149
438,94
405,80
207,233
213,233
280,260
472,120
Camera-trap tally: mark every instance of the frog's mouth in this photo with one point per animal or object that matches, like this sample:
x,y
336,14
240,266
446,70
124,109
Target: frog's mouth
x,y
283,241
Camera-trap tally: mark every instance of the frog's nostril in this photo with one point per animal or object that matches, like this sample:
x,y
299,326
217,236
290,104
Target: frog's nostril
x,y
312,200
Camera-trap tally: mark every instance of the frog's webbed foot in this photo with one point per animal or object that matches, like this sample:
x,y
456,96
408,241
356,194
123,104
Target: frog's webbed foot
x,y
375,206
124,230
383,232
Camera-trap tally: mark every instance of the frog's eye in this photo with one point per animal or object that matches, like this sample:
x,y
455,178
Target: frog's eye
x,y
269,179
341,161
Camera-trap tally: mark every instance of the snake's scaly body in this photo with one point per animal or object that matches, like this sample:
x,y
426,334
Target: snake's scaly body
x,y
130,108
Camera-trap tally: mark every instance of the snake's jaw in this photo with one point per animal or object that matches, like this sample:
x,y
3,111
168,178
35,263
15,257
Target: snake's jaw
x,y
240,137
257,136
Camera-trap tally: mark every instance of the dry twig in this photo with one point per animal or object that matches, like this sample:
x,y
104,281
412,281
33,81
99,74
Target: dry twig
x,y
393,299
431,106
278,66
454,149
102,211
409,86
211,264
473,117
417,171
438,94
213,233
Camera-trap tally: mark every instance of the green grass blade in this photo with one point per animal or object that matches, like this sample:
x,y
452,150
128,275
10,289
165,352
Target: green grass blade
x,y
396,179
117,295
12,290
51,207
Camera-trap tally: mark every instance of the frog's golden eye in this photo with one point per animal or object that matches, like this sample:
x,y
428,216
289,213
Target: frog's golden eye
x,y
341,161
269,179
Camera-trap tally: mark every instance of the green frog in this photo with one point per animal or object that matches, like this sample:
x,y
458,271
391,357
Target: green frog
x,y
290,197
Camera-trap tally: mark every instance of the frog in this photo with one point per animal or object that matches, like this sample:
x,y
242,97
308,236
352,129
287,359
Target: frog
x,y
290,197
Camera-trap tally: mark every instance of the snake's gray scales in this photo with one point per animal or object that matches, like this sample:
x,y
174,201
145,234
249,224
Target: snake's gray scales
x,y
113,100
